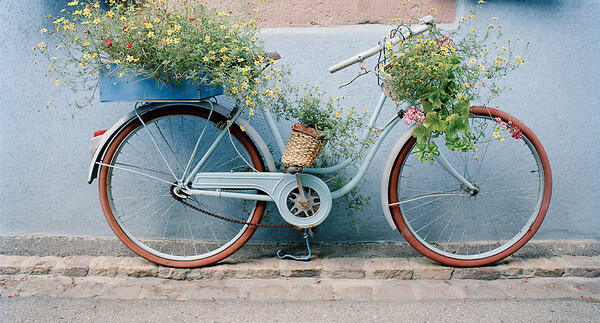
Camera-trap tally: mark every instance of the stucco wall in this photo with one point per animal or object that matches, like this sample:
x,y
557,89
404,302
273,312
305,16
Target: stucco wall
x,y
302,13
44,153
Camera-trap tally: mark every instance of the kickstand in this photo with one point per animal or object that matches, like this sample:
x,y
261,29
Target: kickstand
x,y
301,258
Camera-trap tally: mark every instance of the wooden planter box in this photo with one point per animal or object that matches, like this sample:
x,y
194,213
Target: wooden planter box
x,y
126,88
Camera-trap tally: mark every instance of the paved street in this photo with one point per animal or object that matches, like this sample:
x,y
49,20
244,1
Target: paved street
x,y
43,309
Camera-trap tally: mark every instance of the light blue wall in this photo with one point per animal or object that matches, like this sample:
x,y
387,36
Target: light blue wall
x,y
44,154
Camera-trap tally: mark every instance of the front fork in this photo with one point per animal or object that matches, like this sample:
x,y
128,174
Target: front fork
x,y
441,159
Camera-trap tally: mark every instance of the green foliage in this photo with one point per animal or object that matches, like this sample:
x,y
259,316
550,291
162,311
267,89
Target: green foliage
x,y
166,40
442,77
339,125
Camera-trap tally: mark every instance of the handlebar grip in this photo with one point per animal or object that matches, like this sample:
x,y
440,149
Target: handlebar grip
x,y
405,33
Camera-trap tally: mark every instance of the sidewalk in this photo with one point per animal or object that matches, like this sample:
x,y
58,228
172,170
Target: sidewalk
x,y
372,275
334,268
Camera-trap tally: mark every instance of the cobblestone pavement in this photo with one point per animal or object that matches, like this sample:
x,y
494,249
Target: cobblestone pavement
x,y
356,278
334,268
319,279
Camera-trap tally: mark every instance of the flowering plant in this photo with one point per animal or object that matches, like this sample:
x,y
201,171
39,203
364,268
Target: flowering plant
x,y
338,125
440,77
167,40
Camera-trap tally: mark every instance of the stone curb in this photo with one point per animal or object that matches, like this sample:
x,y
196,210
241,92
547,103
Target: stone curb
x,y
333,268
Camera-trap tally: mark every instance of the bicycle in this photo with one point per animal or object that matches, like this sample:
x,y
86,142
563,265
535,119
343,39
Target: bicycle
x,y
172,176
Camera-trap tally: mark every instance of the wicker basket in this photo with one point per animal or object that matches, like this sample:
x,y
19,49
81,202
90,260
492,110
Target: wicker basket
x,y
303,148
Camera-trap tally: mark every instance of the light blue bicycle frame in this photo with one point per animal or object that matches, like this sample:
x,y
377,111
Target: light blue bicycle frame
x,y
229,181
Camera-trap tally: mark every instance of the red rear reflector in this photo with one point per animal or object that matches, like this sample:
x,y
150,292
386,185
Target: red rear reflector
x,y
99,133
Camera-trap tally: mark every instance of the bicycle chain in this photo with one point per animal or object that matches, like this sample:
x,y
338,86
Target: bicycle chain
x,y
226,218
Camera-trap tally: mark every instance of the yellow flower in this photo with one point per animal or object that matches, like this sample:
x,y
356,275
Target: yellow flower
x,y
150,34
501,139
43,30
73,3
242,128
110,14
251,112
57,82
496,134
337,114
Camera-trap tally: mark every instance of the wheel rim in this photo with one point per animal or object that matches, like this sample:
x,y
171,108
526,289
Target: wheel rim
x,y
137,200
470,228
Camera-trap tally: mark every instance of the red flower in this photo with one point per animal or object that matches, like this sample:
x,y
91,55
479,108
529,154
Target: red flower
x,y
446,42
129,45
108,43
125,27
192,19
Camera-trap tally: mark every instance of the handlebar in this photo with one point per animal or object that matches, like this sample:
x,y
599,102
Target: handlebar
x,y
424,25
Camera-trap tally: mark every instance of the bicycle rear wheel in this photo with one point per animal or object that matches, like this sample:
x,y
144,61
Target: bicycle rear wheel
x,y
438,216
140,172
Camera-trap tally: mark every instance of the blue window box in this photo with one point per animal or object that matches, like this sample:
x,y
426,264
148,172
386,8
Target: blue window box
x,y
127,88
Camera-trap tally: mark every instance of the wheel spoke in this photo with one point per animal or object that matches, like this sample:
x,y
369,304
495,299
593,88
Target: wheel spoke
x,y
136,186
462,227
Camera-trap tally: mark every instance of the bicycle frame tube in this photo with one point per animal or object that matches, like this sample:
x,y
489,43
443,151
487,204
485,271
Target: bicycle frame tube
x,y
212,148
362,169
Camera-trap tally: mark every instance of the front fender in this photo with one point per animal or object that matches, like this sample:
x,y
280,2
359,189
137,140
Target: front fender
x,y
387,171
109,135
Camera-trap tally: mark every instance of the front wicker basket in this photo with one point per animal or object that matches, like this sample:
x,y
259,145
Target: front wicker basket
x,y
303,148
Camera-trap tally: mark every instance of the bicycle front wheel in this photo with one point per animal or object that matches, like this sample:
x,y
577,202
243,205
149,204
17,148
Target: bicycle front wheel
x,y
448,223
142,169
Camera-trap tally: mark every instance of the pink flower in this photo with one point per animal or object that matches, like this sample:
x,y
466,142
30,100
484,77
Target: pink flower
x,y
125,27
129,45
501,123
414,115
192,19
108,43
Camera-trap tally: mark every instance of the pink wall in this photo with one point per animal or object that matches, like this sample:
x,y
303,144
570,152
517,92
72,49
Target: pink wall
x,y
299,13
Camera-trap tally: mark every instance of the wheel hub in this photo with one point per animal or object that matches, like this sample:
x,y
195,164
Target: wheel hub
x,y
179,191
471,192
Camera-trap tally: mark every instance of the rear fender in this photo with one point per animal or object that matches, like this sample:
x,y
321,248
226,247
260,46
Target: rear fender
x,y
99,146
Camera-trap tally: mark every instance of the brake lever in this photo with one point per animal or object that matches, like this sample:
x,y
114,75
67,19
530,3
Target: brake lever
x,y
363,71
